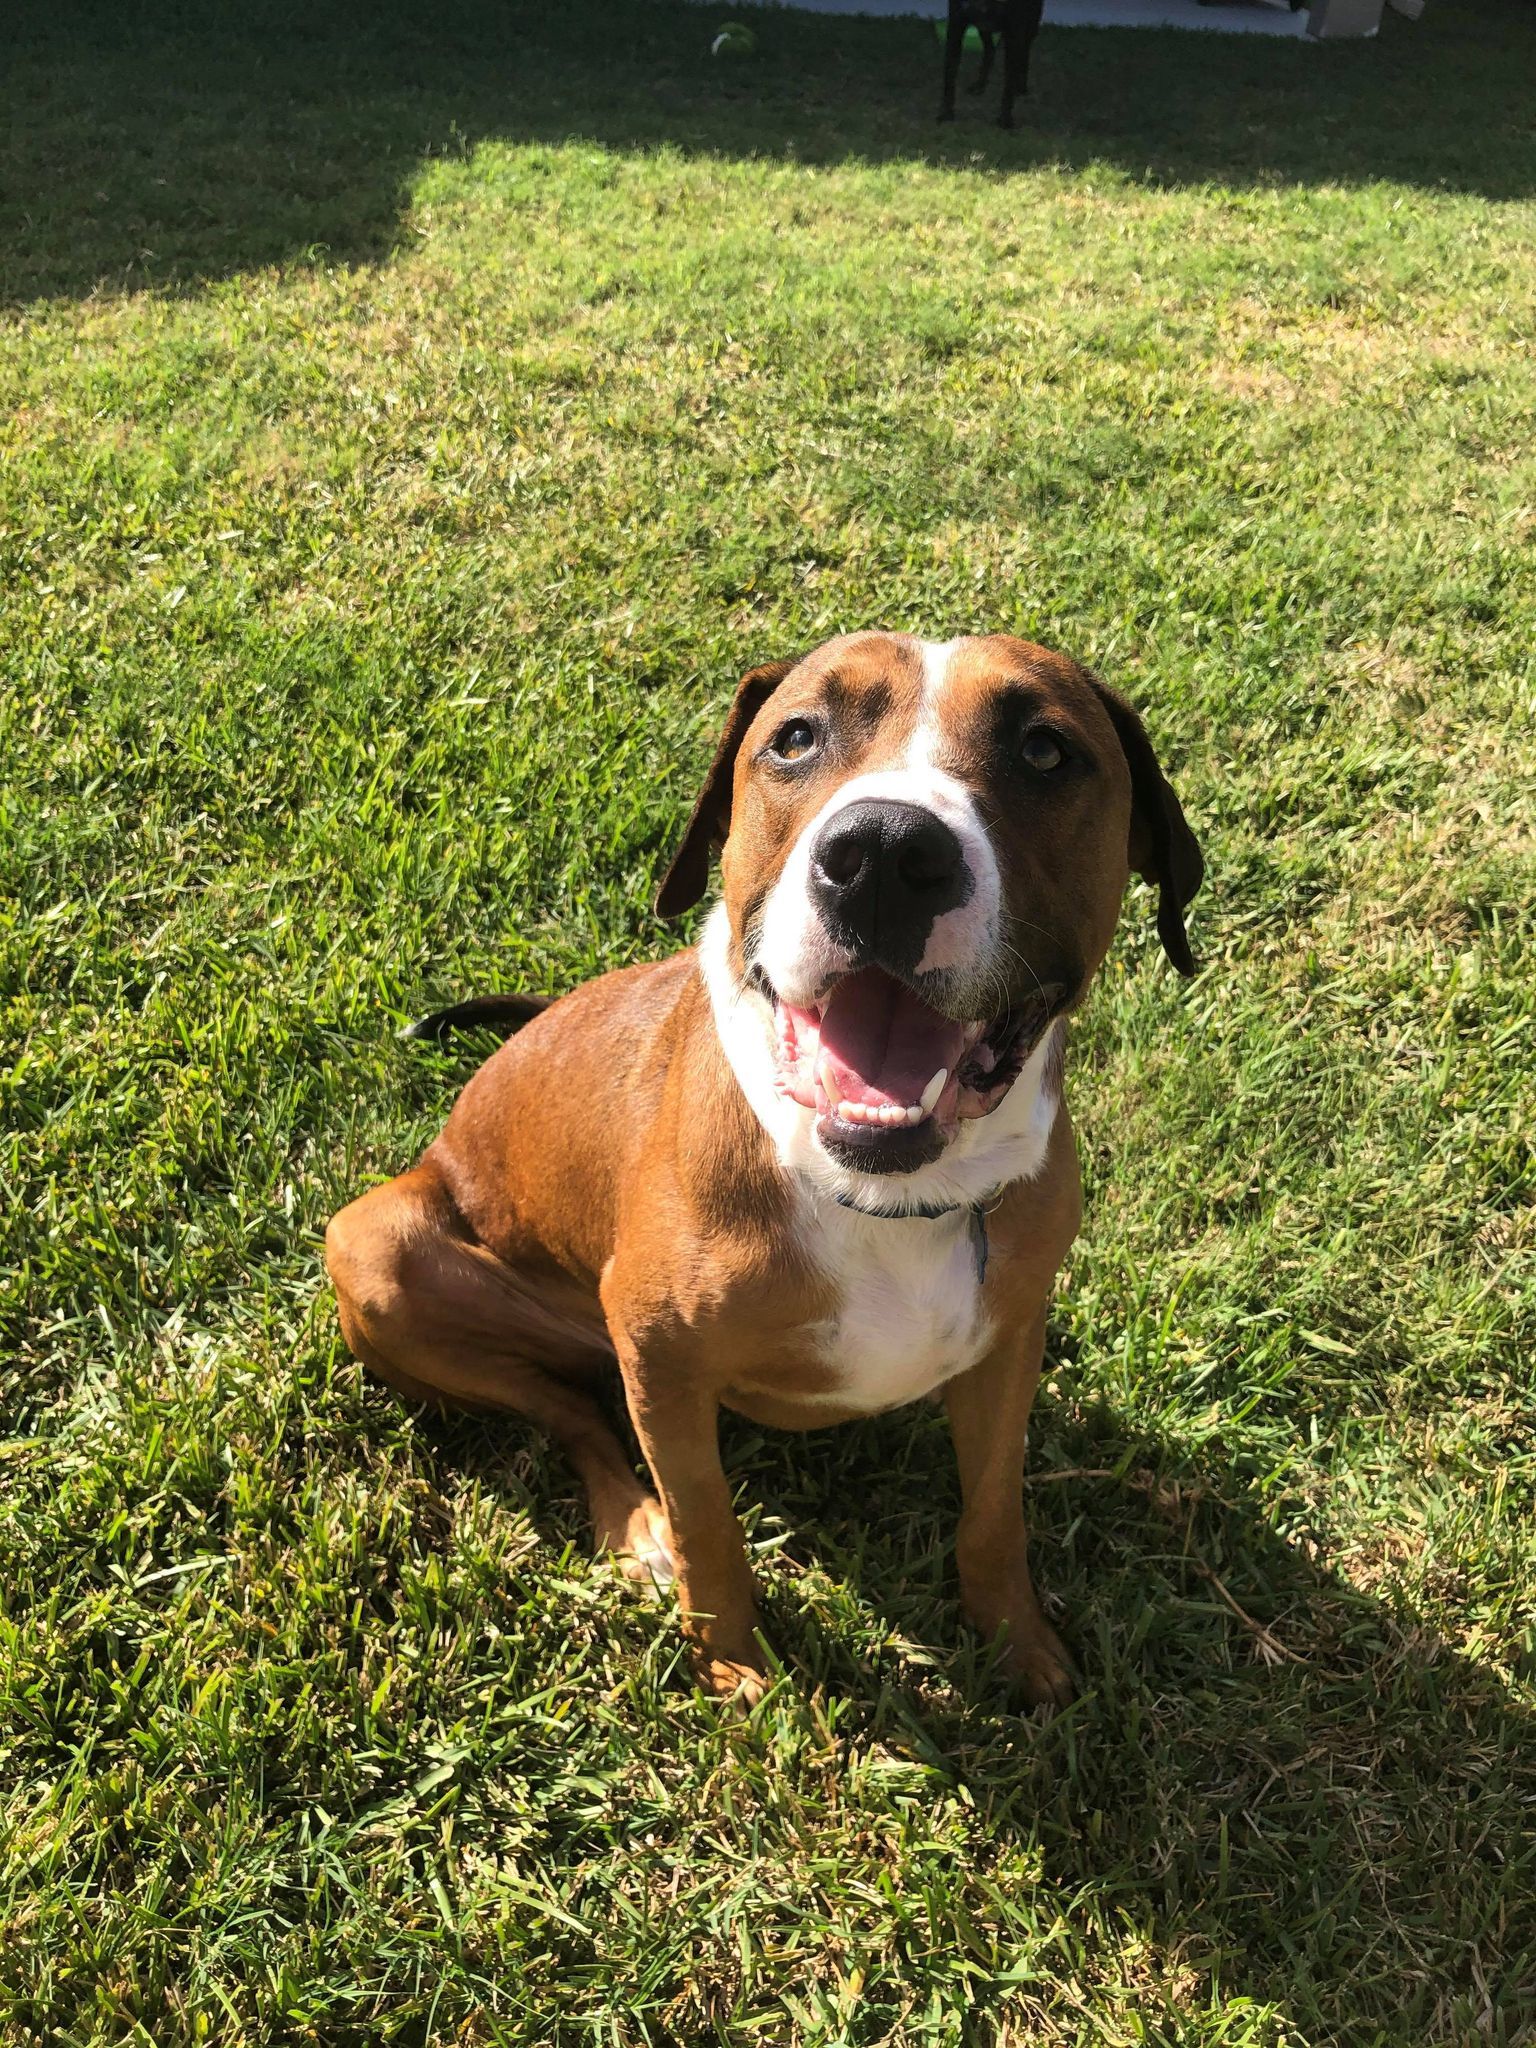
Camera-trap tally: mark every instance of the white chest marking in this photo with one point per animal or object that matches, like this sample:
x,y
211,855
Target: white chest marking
x,y
909,1310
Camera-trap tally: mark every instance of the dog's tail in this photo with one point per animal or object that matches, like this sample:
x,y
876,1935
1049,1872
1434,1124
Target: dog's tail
x,y
479,1011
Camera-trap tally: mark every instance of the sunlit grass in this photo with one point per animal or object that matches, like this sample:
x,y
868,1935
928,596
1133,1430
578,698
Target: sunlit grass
x,y
406,436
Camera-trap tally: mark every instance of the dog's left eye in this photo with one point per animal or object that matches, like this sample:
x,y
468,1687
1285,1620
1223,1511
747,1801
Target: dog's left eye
x,y
1042,751
794,741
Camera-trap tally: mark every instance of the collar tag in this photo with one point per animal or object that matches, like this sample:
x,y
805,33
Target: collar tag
x,y
979,1244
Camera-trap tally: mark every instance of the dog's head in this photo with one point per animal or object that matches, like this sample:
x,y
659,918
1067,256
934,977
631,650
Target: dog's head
x,y
925,848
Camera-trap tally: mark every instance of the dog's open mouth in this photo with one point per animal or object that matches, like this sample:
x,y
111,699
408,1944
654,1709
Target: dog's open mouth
x,y
882,1068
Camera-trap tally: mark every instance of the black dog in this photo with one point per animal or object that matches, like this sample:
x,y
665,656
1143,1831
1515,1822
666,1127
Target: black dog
x,y
1016,22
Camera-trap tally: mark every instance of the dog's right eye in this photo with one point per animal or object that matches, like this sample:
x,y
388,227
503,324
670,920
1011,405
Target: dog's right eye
x,y
794,741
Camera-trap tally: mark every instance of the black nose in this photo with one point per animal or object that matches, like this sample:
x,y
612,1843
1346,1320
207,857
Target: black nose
x,y
881,872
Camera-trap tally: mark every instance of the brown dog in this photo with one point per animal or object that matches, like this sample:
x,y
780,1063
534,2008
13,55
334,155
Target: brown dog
x,y
819,1165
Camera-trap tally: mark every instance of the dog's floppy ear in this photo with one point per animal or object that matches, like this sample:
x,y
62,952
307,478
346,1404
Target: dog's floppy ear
x,y
1163,849
688,877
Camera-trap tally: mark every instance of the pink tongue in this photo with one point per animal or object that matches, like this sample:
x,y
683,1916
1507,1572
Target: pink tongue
x,y
883,1043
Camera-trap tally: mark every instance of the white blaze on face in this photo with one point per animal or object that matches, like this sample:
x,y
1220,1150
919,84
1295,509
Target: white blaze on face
x,y
795,950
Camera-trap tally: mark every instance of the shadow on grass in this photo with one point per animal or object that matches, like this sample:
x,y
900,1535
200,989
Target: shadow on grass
x,y
164,145
1319,1805
1315,1799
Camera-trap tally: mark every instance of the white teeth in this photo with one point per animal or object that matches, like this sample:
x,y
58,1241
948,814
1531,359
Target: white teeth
x,y
933,1091
826,1077
888,1114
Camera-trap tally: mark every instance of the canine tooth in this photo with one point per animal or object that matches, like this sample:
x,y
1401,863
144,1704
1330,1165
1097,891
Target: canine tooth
x,y
933,1091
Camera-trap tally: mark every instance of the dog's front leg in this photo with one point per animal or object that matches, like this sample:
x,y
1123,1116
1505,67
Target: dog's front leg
x,y
954,42
677,1420
989,1420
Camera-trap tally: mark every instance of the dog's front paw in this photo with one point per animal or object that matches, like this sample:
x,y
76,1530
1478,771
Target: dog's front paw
x,y
736,1681
1038,1667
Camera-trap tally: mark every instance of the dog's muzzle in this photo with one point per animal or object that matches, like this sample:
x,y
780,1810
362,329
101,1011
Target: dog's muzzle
x,y
889,1030
881,872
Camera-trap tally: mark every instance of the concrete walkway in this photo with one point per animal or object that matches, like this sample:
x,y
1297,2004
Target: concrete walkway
x,y
1259,18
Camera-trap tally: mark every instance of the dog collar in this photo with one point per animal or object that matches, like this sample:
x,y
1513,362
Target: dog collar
x,y
930,1213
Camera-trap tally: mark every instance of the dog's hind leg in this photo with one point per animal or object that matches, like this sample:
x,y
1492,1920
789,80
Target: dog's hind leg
x,y
988,52
432,1311
1021,23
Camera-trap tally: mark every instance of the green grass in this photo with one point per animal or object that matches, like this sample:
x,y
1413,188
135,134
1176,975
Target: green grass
x,y
408,429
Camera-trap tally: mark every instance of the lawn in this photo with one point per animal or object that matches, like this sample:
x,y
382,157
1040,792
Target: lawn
x,y
412,421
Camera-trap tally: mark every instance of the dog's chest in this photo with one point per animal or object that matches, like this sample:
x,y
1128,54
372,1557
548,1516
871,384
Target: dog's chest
x,y
907,1306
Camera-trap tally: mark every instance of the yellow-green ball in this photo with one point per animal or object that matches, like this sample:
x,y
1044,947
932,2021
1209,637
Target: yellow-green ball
x,y
972,34
734,40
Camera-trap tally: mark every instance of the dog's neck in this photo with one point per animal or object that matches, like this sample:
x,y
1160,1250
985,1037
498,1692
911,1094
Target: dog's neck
x,y
987,1154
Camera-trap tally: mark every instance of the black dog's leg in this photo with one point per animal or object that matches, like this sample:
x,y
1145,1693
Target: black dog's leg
x,y
953,41
988,52
1020,23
